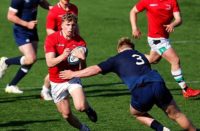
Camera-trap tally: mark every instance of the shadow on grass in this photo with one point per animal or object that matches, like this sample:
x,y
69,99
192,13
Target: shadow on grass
x,y
104,85
41,58
98,90
16,98
111,92
22,123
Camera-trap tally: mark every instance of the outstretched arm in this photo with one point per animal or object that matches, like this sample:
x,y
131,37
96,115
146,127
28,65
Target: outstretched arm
x,y
89,71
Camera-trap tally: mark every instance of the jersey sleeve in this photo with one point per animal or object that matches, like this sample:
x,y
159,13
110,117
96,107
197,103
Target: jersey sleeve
x,y
141,5
107,66
50,21
75,9
176,6
16,5
49,44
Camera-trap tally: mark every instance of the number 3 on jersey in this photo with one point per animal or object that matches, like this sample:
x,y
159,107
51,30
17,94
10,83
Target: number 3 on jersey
x,y
139,59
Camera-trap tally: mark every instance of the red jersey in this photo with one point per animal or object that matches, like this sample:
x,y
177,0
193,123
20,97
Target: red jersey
x,y
159,13
54,17
57,43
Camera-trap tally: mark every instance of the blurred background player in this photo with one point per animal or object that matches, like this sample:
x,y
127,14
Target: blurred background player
x,y
57,48
23,13
163,17
146,85
53,24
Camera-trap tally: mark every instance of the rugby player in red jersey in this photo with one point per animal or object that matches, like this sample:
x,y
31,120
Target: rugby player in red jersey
x,y
163,16
53,24
57,48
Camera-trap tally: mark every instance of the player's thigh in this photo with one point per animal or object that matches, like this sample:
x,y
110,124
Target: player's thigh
x,y
172,108
79,99
28,51
171,56
76,91
59,91
134,111
162,95
142,98
63,106
153,56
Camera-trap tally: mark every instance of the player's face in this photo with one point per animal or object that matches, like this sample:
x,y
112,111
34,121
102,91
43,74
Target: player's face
x,y
68,28
65,2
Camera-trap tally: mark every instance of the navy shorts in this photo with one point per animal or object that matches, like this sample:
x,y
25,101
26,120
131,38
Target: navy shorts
x,y
25,36
144,97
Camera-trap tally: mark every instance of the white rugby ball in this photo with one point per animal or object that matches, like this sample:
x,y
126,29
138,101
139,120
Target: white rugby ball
x,y
72,60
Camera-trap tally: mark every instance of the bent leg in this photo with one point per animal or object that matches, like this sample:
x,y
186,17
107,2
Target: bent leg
x,y
29,51
64,108
171,56
146,119
176,71
81,103
79,99
47,82
175,114
46,89
153,57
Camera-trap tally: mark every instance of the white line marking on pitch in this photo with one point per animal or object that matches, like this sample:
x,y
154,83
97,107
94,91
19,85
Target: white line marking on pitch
x,y
187,41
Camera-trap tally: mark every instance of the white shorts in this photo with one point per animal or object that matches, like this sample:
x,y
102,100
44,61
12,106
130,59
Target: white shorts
x,y
160,45
60,91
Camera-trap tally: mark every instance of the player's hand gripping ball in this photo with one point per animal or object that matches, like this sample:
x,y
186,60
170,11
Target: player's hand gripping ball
x,y
73,60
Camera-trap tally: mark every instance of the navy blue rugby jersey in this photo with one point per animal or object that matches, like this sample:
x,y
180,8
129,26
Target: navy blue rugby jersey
x,y
26,9
132,67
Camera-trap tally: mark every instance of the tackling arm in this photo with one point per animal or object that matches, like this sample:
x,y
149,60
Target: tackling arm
x,y
89,71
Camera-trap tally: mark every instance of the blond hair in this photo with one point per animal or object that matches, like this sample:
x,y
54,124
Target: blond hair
x,y
125,42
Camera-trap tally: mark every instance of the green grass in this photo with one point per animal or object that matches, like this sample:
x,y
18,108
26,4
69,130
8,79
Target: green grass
x,y
101,24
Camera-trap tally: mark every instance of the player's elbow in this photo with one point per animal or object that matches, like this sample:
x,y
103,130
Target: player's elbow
x,y
9,17
133,11
49,64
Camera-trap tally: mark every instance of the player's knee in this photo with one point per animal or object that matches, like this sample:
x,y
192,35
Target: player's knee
x,y
80,107
134,112
153,59
66,114
30,60
174,114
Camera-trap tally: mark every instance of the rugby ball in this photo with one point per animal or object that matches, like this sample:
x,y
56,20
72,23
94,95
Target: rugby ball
x,y
73,60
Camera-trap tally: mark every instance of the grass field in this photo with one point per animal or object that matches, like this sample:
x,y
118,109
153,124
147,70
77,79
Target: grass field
x,y
101,24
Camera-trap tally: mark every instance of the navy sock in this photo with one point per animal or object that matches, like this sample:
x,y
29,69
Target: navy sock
x,y
156,126
20,74
13,61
